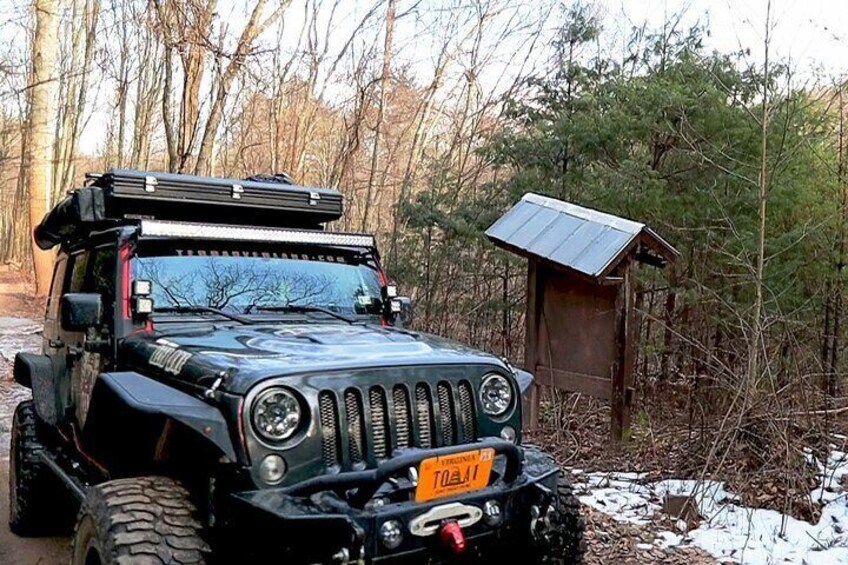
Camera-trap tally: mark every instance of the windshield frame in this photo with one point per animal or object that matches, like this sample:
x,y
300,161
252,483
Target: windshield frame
x,y
364,257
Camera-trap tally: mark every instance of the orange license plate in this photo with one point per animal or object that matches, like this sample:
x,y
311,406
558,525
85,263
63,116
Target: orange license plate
x,y
454,474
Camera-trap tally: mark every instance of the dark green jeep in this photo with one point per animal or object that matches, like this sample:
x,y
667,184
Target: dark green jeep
x,y
222,379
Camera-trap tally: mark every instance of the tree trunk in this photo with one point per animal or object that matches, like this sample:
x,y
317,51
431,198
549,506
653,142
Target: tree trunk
x,y
668,334
36,161
756,336
384,84
167,113
77,78
833,362
15,237
186,30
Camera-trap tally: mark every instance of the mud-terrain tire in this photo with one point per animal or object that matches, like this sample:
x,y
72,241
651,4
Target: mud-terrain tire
x,y
37,505
564,541
561,541
143,521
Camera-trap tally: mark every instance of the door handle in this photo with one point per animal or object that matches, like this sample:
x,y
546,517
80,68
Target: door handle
x,y
56,343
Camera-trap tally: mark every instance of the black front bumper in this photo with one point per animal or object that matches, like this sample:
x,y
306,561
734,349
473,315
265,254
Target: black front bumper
x,y
330,518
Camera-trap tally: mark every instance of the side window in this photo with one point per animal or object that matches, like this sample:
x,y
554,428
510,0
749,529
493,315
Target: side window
x,y
56,288
102,277
79,263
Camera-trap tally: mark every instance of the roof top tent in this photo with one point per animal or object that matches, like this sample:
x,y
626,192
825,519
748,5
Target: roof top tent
x,y
580,296
123,196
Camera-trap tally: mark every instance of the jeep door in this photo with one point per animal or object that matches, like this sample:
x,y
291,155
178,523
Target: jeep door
x,y
89,271
60,344
50,334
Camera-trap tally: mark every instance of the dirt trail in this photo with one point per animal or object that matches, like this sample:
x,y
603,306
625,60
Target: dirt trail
x,y
18,334
16,550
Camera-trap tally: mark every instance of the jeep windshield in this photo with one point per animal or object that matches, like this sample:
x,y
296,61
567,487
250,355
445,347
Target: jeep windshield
x,y
258,281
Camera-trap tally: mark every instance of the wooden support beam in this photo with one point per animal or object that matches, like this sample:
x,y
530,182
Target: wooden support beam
x,y
593,385
623,368
531,335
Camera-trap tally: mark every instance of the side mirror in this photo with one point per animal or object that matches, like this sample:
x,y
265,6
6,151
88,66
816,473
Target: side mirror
x,y
81,310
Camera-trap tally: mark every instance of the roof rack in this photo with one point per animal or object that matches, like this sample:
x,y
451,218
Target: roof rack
x,y
123,195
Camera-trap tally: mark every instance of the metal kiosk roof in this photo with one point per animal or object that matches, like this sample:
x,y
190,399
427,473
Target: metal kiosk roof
x,y
579,239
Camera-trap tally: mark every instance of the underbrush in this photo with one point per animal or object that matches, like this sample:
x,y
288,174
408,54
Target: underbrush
x,y
685,429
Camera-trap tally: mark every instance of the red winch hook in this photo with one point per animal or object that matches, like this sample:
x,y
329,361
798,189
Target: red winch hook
x,y
451,535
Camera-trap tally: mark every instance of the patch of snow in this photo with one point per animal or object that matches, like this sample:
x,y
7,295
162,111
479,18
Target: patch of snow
x,y
618,494
16,334
632,507
831,473
10,395
644,546
668,539
728,530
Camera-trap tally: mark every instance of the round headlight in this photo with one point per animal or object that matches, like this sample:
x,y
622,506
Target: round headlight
x,y
276,414
495,395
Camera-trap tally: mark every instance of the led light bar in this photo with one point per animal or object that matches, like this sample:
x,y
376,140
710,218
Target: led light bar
x,y
187,230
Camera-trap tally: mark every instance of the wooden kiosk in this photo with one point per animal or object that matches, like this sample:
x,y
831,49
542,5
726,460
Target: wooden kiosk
x,y
580,296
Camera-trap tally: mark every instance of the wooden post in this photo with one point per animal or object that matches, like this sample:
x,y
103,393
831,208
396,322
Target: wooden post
x,y
531,334
623,368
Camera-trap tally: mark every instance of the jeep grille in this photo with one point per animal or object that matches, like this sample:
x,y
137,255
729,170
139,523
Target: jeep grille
x,y
443,415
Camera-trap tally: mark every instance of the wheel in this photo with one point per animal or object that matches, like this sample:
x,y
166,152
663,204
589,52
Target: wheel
x,y
143,521
37,503
558,535
562,539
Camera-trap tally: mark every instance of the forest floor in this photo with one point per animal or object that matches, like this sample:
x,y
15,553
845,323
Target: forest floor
x,y
660,491
18,332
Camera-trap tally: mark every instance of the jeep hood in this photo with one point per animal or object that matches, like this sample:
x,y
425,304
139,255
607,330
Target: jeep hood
x,y
252,353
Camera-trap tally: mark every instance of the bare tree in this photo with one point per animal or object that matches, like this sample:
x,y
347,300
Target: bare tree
x,y
245,44
148,90
756,318
74,91
381,108
185,29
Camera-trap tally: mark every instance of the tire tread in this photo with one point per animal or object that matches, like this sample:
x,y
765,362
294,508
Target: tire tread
x,y
38,506
142,520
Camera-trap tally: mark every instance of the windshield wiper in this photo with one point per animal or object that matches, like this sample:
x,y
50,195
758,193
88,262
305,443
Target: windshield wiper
x,y
196,308
301,308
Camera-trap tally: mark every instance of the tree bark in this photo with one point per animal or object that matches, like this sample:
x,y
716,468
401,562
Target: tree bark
x,y
167,113
833,361
36,161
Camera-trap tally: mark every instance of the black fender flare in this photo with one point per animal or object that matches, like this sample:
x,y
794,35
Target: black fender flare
x,y
526,389
120,396
525,380
50,386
